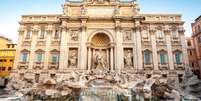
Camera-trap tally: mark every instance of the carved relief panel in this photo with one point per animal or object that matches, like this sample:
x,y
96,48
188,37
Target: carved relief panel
x,y
127,35
74,35
73,58
145,33
128,58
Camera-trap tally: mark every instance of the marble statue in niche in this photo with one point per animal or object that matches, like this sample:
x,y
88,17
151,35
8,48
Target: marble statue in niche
x,y
127,36
128,58
83,10
65,11
116,10
100,60
74,35
73,59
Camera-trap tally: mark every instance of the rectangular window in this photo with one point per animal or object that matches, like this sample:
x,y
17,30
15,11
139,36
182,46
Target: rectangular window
x,y
147,58
199,39
3,68
11,60
9,68
178,57
13,46
162,58
28,34
192,64
174,34
24,57
39,57
42,34
56,35
55,59
159,34
37,77
191,53
8,45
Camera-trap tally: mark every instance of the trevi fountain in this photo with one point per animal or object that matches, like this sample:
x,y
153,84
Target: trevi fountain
x,y
102,50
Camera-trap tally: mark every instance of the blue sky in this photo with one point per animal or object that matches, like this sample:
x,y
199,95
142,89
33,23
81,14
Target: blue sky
x,y
11,11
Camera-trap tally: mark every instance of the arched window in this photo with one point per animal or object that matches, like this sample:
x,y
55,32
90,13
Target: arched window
x,y
54,57
39,56
162,57
147,57
178,57
24,56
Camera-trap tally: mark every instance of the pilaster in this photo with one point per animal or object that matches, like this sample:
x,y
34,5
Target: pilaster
x,y
154,49
83,49
63,59
169,49
138,45
47,48
33,46
119,48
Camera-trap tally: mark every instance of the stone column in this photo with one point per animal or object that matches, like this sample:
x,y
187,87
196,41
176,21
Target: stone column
x,y
92,66
134,50
32,49
47,48
89,58
154,49
108,58
139,45
63,59
169,49
83,48
112,59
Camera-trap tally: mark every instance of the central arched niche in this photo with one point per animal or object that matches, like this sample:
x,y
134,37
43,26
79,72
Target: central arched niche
x,y
100,51
100,40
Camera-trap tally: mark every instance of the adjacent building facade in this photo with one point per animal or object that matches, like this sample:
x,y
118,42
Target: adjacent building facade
x,y
7,55
100,35
192,56
196,28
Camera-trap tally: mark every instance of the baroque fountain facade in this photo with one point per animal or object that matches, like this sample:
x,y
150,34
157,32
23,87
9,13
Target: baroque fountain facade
x,y
100,50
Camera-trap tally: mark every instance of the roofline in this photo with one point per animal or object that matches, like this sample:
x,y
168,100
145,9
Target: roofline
x,y
198,18
27,15
164,14
3,37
